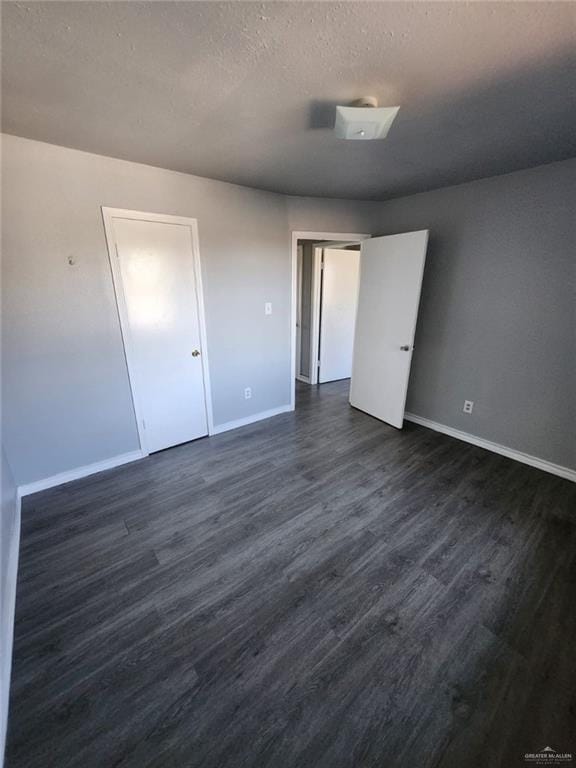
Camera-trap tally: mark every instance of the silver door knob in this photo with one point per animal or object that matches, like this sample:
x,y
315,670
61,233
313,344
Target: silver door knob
x,y
195,353
405,348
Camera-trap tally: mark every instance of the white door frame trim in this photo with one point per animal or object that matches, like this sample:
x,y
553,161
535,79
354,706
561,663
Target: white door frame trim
x,y
305,235
317,259
108,214
299,263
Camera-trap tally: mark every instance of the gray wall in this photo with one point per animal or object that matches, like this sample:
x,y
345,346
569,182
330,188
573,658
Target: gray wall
x,y
9,527
496,325
66,393
497,321
313,214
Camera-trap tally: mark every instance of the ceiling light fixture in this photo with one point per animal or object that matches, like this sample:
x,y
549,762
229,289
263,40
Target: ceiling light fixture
x,y
364,120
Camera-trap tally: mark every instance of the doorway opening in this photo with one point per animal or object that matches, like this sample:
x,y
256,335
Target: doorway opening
x,y
355,307
326,273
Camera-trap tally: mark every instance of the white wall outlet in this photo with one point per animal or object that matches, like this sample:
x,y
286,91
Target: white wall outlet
x,y
247,393
468,405
268,308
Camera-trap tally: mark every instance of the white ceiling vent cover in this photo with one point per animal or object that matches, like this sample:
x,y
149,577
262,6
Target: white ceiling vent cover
x,y
364,120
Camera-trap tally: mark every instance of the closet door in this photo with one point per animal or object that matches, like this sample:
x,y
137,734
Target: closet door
x,y
157,288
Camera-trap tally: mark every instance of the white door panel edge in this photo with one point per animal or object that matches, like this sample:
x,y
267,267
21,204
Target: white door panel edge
x,y
156,272
391,271
338,313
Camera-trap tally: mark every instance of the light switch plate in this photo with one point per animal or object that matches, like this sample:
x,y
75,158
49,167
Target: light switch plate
x,y
268,308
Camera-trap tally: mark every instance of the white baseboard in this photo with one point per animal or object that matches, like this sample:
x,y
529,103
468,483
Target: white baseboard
x,y
7,635
126,458
251,419
525,458
76,474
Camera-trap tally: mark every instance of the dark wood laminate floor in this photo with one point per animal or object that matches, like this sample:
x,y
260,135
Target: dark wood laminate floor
x,y
316,590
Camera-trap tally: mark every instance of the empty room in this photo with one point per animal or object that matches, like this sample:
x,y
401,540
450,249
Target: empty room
x,y
288,384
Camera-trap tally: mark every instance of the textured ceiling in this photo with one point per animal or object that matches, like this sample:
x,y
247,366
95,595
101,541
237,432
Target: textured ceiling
x,y
245,92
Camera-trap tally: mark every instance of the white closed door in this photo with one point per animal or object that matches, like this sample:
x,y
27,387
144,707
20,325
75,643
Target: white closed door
x,y
161,326
340,273
391,270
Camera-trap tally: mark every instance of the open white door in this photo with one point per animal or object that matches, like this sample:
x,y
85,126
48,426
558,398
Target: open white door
x,y
338,313
391,270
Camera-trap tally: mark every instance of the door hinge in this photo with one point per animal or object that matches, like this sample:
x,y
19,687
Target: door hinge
x,y
143,424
